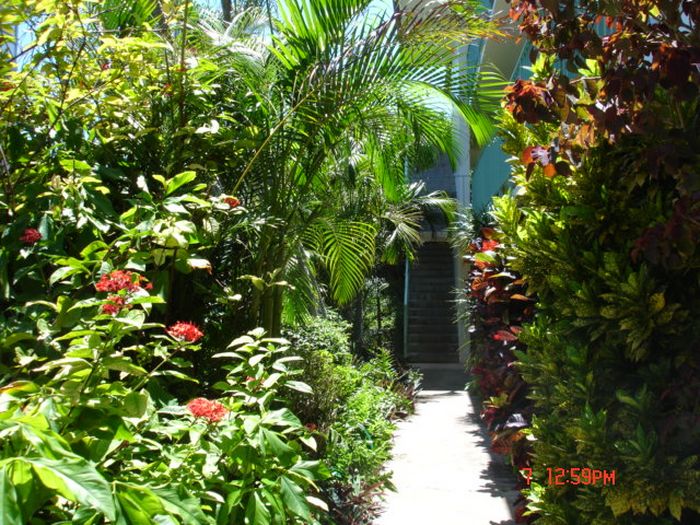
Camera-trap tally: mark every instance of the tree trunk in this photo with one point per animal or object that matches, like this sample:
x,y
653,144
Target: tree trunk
x,y
278,305
226,9
358,324
268,310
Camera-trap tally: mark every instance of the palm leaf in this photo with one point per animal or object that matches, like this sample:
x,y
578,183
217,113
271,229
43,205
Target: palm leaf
x,y
347,248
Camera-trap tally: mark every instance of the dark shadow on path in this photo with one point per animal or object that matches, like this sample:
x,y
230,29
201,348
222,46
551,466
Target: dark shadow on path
x,y
499,480
451,377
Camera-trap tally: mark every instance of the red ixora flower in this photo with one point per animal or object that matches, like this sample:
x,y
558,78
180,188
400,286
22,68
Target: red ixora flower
x,y
233,202
185,331
30,236
121,280
115,304
208,408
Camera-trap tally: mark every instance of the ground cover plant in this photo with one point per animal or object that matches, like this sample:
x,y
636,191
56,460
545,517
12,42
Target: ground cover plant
x,y
603,227
351,412
169,183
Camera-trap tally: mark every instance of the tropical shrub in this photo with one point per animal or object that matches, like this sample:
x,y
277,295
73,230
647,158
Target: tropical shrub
x,y
324,345
110,226
83,439
125,130
498,306
603,228
351,409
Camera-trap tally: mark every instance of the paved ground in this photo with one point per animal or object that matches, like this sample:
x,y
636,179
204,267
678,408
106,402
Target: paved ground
x,y
443,471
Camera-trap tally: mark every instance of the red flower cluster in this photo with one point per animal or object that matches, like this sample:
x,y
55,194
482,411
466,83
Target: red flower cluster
x,y
30,236
210,409
122,280
233,202
185,331
115,304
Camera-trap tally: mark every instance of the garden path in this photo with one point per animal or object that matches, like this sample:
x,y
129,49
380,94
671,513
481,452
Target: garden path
x,y
443,470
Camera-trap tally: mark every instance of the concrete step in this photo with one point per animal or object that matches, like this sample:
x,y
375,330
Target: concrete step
x,y
432,336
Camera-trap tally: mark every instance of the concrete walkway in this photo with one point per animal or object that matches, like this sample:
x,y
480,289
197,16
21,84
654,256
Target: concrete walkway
x,y
443,470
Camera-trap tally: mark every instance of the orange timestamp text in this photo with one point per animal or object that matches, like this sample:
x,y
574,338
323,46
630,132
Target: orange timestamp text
x,y
573,476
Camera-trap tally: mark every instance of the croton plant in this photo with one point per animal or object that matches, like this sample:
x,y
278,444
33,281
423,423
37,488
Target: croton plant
x,y
499,306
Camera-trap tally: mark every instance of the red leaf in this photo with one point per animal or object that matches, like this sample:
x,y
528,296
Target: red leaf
x,y
503,335
488,233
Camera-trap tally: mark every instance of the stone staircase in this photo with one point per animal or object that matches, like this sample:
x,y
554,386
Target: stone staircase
x,y
432,334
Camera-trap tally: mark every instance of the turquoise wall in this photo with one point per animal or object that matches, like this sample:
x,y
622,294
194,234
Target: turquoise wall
x,y
490,176
492,172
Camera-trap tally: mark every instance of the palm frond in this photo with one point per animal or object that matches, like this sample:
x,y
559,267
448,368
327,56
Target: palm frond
x,y
303,300
347,248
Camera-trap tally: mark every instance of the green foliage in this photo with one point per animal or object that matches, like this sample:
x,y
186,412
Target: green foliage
x,y
607,244
335,157
498,306
352,408
85,428
122,126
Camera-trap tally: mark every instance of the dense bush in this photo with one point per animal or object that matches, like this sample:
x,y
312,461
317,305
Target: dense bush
x,y
125,130
351,410
84,440
497,307
604,228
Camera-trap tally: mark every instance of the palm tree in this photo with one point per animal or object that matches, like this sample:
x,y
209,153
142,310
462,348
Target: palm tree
x,y
342,93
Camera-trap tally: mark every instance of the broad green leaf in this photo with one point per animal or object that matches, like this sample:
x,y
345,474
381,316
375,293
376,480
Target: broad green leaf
x,y
294,498
10,513
199,264
123,364
19,386
62,273
299,387
274,501
240,341
187,508
93,247
271,380
316,502
46,442
282,417
72,165
139,503
135,404
278,447
147,299
74,479
256,512
16,338
309,441
256,359
179,180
